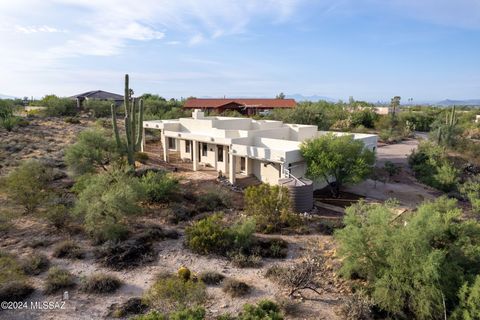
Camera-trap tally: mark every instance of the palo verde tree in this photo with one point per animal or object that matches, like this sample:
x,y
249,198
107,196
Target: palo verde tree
x,y
337,160
133,129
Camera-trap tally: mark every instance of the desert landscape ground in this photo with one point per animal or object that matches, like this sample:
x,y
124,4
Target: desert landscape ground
x,y
46,138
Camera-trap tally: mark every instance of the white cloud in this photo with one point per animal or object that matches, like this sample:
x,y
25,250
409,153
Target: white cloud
x,y
37,29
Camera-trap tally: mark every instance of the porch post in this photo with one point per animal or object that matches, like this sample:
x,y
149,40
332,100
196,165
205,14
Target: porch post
x,y
232,168
195,155
165,147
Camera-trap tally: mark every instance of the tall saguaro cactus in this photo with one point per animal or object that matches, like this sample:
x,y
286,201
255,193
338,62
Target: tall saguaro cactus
x,y
446,132
133,123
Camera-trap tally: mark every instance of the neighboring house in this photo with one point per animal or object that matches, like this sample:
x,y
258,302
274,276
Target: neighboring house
x,y
266,149
244,106
477,118
97,95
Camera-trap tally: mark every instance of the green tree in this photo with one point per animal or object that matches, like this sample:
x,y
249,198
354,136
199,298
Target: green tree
x,y
414,264
106,199
94,149
337,160
27,185
395,106
56,106
469,304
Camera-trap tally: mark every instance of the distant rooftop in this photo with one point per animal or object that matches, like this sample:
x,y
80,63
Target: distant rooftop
x,y
98,94
246,103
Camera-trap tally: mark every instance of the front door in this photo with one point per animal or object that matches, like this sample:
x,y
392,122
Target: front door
x,y
242,164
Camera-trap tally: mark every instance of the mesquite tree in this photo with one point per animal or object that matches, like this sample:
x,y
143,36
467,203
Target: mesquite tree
x,y
133,123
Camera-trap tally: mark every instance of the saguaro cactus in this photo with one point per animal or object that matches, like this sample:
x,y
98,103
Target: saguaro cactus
x,y
446,133
133,129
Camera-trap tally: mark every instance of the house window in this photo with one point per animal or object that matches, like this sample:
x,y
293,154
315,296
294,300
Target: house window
x,y
204,149
220,153
187,146
171,143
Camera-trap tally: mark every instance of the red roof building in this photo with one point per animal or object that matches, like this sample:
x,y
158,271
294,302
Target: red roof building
x,y
244,106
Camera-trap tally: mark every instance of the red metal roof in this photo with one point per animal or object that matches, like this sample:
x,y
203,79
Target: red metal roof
x,y
248,103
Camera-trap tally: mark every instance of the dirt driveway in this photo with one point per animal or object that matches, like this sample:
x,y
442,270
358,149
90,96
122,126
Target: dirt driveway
x,y
403,187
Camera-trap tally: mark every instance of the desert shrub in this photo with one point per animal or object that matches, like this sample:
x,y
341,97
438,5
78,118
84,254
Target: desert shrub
x,y
27,185
270,206
212,235
235,288
58,279
141,157
13,282
99,108
57,215
94,149
213,199
72,120
244,260
391,168
169,292
100,283
106,200
297,277
270,247
9,123
124,254
68,250
263,310
328,226
159,186
130,307
208,235
431,166
415,264
469,301
357,306
35,264
56,106
211,278
471,189
195,313
152,315
365,117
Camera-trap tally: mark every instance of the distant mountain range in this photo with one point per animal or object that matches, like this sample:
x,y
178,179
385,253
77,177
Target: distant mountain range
x,y
314,98
468,102
4,96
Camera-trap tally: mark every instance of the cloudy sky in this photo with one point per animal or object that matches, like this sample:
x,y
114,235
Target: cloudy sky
x,y
369,49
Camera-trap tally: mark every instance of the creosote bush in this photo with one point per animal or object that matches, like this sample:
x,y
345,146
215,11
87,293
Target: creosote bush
x,y
214,199
212,235
169,292
270,206
235,288
159,186
27,185
35,264
211,278
13,282
58,279
68,250
100,283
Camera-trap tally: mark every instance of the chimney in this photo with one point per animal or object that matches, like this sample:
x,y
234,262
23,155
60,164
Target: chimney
x,y
198,114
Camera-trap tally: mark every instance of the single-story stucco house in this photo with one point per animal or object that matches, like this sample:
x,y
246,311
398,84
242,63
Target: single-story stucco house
x,y
97,95
245,106
266,149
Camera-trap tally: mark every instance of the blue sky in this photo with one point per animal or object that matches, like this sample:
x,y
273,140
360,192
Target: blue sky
x,y
368,49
